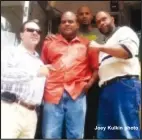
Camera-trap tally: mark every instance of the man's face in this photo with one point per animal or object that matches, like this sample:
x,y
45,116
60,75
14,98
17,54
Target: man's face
x,y
68,25
31,34
84,16
105,23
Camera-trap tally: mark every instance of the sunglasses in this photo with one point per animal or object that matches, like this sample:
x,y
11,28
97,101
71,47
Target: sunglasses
x,y
33,30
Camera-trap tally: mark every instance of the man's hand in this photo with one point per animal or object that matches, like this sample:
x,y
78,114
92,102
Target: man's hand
x,y
86,88
44,70
50,37
116,50
93,79
95,45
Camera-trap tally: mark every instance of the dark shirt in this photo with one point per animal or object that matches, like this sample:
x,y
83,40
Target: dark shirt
x,y
94,34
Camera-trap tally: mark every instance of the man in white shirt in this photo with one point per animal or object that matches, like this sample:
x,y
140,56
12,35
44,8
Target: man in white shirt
x,y
119,104
22,84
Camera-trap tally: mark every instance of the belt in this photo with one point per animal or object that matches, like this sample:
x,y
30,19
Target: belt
x,y
11,98
119,78
26,105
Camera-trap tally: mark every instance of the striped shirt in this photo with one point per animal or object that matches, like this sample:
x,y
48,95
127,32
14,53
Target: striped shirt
x,y
18,74
111,67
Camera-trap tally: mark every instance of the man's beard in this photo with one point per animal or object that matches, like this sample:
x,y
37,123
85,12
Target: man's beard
x,y
109,31
84,25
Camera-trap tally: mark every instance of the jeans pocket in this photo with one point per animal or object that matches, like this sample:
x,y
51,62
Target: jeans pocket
x,y
129,83
133,86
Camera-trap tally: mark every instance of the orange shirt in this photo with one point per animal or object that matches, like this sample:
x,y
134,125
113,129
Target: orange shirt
x,y
72,64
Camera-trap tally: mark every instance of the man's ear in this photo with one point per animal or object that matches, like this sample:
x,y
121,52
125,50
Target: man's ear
x,y
59,28
21,35
112,18
92,17
76,15
78,25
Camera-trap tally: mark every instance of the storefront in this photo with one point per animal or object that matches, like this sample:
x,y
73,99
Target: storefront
x,y
14,13
11,20
48,12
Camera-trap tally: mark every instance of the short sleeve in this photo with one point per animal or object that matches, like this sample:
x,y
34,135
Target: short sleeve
x,y
129,41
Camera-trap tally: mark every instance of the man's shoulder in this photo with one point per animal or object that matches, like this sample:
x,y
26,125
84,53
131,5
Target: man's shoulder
x,y
10,50
95,30
47,41
125,29
83,40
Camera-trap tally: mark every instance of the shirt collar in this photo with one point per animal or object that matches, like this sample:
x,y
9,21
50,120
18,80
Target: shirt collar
x,y
23,49
62,39
110,35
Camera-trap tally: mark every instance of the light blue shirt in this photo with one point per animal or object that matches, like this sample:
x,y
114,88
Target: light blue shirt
x,y
19,70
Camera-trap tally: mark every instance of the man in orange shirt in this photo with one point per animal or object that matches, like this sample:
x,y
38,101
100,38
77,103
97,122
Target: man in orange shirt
x,y
64,97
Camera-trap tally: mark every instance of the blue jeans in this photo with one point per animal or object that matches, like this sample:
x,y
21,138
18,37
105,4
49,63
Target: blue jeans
x,y
71,111
119,110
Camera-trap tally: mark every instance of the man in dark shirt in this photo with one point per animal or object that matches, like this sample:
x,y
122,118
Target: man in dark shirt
x,y
85,17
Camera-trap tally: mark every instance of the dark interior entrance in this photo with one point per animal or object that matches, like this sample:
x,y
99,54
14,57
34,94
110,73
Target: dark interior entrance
x,y
135,21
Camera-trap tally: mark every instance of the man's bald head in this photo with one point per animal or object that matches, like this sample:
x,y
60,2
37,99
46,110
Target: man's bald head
x,y
103,12
69,14
84,15
84,7
105,22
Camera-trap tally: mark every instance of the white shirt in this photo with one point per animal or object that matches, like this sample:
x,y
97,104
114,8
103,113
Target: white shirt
x,y
18,74
111,67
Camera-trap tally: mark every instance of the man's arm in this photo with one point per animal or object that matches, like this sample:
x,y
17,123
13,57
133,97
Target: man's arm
x,y
93,79
21,75
118,51
10,72
16,75
126,47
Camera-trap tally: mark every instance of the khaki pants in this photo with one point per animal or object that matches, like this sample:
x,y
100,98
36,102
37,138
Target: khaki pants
x,y
17,121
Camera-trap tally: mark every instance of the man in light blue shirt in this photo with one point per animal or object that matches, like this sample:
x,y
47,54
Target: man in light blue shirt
x,y
22,84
